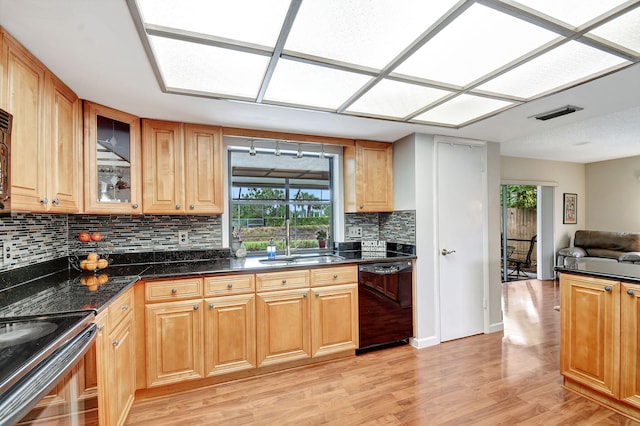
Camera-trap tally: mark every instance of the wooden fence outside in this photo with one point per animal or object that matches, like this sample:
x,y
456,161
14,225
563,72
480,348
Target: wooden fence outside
x,y
522,225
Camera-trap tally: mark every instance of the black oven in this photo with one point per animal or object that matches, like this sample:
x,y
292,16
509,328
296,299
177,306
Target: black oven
x,y
385,304
36,354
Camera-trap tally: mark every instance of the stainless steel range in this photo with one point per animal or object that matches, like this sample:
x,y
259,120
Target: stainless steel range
x,y
36,353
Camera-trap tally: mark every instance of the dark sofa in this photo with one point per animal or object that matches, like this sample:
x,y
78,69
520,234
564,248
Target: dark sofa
x,y
602,245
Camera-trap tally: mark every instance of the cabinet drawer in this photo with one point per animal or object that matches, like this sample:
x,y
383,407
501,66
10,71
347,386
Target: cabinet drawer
x,y
335,275
166,290
119,308
229,284
282,280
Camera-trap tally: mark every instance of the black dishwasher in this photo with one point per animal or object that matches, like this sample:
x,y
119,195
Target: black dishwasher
x,y
385,299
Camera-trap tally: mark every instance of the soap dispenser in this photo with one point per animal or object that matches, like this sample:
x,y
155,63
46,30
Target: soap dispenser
x,y
271,249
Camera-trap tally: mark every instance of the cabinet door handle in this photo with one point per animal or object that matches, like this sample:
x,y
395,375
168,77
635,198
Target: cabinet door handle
x,y
630,292
178,206
192,206
607,288
284,281
124,307
317,294
135,205
56,201
196,307
362,206
335,276
100,327
44,201
116,342
210,305
304,294
174,290
229,285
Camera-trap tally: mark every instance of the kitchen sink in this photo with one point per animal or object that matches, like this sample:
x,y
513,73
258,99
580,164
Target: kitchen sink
x,y
303,259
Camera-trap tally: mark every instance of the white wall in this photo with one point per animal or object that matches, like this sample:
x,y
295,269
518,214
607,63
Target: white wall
x,y
404,173
613,195
565,177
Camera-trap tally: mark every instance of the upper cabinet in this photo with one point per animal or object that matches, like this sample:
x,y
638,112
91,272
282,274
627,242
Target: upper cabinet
x,y
182,168
112,162
368,177
46,173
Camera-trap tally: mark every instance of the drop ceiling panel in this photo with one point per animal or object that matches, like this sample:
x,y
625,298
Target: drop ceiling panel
x,y
566,65
624,30
200,68
573,12
478,42
366,33
250,21
461,109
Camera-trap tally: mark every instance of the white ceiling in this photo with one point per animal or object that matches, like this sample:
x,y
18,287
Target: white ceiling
x,y
94,47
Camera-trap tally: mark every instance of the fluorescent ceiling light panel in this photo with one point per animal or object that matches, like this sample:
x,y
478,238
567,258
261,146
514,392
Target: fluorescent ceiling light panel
x,y
624,30
395,99
300,83
461,109
566,65
573,12
202,68
476,43
251,21
365,33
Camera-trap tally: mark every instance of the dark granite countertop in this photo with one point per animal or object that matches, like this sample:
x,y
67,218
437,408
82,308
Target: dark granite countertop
x,y
54,287
611,270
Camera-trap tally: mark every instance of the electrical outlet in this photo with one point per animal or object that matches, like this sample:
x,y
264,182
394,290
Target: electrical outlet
x,y
183,238
6,252
355,231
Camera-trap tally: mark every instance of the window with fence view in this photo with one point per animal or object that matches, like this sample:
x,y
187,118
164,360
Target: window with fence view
x,y
267,189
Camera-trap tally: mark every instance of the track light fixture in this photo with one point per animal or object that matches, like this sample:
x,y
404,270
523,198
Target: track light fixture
x,y
277,152
299,154
322,156
252,150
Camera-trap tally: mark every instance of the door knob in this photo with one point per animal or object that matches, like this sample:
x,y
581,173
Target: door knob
x,y
445,252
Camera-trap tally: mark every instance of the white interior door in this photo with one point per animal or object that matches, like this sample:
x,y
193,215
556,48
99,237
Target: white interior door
x,y
461,213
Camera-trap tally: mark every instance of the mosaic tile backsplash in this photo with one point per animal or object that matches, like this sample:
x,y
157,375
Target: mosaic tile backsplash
x,y
397,227
35,238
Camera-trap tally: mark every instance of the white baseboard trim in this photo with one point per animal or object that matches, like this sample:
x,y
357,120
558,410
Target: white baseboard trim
x,y
424,342
496,327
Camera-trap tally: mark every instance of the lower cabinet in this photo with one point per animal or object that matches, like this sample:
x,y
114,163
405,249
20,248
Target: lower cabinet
x,y
174,341
229,334
334,319
600,326
284,326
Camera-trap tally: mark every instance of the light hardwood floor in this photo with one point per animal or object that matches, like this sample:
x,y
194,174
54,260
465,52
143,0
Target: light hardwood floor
x,y
496,379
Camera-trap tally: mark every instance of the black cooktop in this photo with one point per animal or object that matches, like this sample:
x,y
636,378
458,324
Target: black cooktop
x,y
25,341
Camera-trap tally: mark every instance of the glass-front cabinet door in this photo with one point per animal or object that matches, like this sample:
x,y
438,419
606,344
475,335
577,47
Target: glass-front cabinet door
x,y
111,161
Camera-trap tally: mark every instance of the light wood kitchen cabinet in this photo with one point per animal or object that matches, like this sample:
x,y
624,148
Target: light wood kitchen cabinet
x,y
599,356
334,319
630,344
229,334
46,138
174,341
368,177
283,326
115,358
182,168
591,327
112,161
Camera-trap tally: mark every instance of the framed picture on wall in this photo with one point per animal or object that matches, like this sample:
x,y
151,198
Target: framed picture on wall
x,y
570,210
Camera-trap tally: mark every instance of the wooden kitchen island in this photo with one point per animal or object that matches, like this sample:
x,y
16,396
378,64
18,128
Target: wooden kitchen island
x,y
600,326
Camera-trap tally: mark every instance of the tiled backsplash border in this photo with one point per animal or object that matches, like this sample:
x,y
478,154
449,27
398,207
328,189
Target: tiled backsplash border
x,y
398,226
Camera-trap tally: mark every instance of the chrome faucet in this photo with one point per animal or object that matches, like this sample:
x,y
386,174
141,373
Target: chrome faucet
x,y
288,238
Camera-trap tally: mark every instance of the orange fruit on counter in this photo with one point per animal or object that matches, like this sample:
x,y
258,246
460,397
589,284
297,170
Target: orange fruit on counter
x,y
90,265
84,237
83,264
96,236
102,263
93,257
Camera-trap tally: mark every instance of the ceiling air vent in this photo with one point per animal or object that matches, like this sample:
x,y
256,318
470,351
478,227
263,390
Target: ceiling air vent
x,y
556,113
